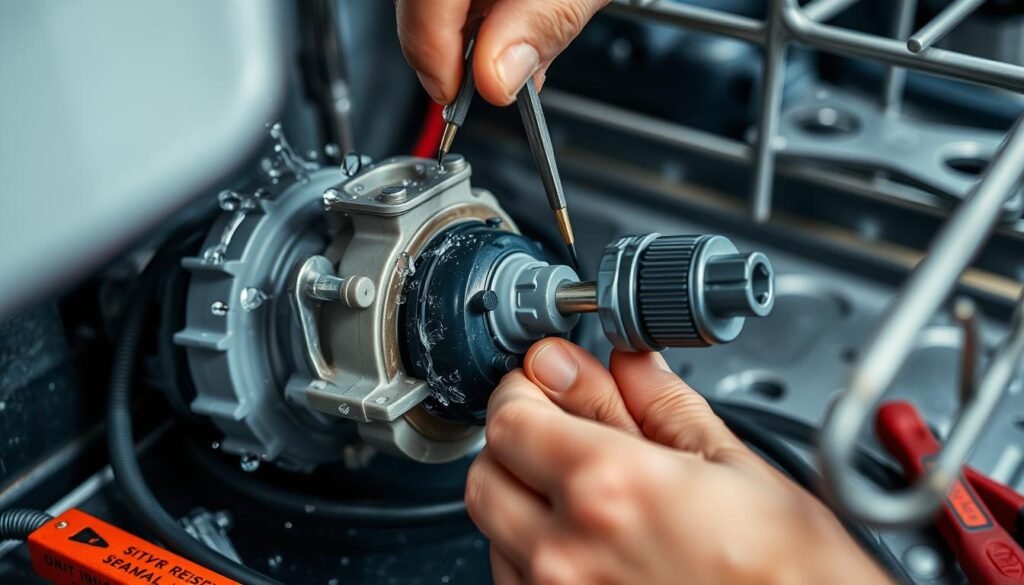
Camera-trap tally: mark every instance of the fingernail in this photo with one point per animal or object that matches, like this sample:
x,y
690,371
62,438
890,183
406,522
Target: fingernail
x,y
432,86
515,65
555,367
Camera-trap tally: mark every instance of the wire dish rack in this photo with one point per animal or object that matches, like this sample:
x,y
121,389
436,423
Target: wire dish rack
x,y
979,210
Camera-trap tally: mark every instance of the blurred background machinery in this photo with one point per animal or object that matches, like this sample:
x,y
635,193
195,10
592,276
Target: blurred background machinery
x,y
881,177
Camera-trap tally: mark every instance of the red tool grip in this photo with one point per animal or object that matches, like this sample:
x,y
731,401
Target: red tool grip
x,y
986,553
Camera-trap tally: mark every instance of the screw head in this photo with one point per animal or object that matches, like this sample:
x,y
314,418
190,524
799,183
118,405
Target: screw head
x,y
62,525
393,194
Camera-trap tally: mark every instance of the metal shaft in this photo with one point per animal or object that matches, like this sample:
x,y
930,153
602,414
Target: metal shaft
x,y
576,297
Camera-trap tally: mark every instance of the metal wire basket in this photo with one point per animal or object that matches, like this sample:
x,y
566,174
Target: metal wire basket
x,y
932,281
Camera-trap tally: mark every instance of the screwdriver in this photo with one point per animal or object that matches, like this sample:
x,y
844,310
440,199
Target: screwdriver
x,y
537,135
544,156
454,114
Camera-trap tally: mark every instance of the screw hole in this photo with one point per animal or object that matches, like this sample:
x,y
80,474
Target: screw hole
x,y
761,283
761,384
967,165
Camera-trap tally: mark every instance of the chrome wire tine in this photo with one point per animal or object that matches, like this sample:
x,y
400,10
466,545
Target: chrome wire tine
x,y
826,10
965,315
895,76
960,239
953,14
771,110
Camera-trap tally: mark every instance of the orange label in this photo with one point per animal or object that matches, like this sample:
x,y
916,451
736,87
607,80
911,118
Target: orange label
x,y
964,503
78,549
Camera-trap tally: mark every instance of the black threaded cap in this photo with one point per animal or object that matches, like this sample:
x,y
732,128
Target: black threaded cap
x,y
663,286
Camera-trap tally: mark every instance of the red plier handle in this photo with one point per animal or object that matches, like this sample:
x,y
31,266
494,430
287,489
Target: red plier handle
x,y
986,551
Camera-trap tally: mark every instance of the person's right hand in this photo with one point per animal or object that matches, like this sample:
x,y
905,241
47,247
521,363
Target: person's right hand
x,y
626,476
517,40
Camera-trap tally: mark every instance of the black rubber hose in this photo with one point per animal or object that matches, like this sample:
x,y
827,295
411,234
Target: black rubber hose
x,y
125,464
375,514
745,427
18,523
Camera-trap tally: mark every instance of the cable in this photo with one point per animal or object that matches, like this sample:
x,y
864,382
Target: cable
x,y
352,513
802,472
123,459
18,523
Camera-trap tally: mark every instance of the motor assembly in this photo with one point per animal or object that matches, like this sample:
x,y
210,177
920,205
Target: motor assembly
x,y
388,300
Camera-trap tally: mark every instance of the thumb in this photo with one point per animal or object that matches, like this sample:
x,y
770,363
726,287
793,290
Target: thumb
x,y
668,410
518,38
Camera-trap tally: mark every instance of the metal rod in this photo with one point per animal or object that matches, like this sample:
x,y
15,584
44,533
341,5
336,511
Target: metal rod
x,y
960,239
965,314
695,17
771,111
896,77
826,10
576,297
936,61
953,14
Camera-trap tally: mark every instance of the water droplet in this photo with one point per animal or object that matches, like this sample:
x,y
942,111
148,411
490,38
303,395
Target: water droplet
x,y
287,525
381,399
275,561
309,508
332,581
446,579
215,445
332,150
219,308
252,298
359,188
345,560
331,196
343,409
3,406
318,384
249,463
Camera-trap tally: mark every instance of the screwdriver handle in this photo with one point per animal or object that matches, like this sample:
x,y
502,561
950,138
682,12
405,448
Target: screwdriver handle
x,y
987,554
541,147
455,112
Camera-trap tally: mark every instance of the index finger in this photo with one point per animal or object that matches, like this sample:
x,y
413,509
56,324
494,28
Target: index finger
x,y
430,32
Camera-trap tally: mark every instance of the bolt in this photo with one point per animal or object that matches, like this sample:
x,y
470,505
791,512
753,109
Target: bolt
x,y
454,162
62,525
393,194
356,292
484,301
331,197
343,408
219,308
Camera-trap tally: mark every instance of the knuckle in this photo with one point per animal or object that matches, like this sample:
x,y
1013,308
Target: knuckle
x,y
503,421
475,482
563,20
551,564
602,496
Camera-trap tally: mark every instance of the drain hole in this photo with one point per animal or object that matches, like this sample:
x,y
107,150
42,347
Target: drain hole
x,y
971,166
761,384
768,389
829,122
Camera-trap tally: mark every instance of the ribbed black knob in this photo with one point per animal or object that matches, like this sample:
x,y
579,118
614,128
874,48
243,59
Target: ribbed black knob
x,y
664,298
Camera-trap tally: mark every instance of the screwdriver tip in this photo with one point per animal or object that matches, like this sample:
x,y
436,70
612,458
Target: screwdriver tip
x,y
573,256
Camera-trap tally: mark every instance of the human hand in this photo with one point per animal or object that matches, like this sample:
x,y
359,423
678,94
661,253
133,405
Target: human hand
x,y
517,40
626,476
